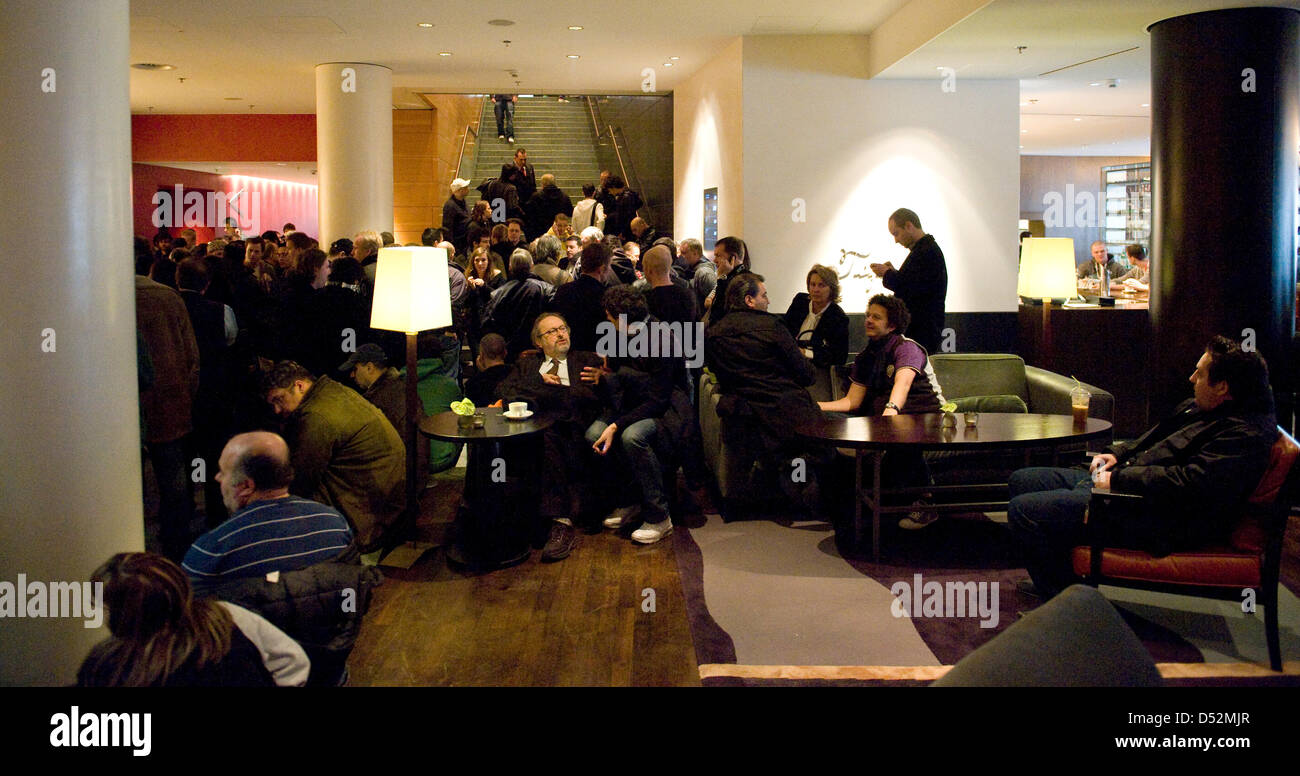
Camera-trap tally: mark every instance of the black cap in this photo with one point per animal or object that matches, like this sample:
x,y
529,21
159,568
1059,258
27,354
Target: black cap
x,y
369,353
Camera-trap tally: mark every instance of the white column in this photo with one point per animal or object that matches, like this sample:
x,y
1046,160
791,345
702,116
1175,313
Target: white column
x,y
69,428
354,148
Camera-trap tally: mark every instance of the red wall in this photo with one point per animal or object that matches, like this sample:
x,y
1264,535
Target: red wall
x,y
276,203
222,137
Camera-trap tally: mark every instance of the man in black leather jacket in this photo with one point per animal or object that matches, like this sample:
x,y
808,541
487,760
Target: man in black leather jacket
x,y
1195,469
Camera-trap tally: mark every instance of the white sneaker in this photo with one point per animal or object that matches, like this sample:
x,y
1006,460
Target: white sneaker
x,y
919,519
510,139
501,137
652,532
622,516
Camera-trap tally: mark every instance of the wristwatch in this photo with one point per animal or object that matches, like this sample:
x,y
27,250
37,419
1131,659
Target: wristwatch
x,y
891,406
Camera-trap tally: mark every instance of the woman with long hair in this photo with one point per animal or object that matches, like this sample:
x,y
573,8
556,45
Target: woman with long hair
x,y
164,637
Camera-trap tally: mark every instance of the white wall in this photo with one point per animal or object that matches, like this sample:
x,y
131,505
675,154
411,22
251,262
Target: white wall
x,y
855,150
707,147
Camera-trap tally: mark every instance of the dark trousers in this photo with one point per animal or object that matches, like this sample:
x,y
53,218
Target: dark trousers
x,y
505,113
175,495
1045,516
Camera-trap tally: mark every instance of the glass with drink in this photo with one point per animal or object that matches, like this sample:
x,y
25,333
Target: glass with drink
x,y
1079,400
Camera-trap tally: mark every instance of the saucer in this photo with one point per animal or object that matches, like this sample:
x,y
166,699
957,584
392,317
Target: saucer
x,y
525,416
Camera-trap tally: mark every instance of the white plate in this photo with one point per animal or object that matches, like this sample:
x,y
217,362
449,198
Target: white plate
x,y
527,414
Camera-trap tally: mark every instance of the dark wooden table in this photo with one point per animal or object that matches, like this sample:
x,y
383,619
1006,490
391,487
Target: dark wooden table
x,y
496,531
873,436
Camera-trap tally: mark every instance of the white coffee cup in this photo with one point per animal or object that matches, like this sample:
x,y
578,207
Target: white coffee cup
x,y
518,407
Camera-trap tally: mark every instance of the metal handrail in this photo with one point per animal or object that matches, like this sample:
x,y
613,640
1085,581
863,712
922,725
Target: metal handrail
x,y
613,139
460,158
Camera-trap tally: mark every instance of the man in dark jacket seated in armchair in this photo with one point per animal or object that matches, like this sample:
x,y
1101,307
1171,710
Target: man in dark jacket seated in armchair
x,y
763,375
549,382
1193,469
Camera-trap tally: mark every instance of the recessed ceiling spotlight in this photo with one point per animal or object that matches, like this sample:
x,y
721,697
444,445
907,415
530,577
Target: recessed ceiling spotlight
x,y
1095,83
426,25
500,22
1146,105
1024,132
152,66
668,64
940,67
1078,119
1024,104
444,53
572,56
575,27
674,58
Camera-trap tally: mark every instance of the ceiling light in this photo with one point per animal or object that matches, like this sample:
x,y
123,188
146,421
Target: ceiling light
x,y
1024,132
444,53
1146,105
668,64
501,23
426,25
571,56
674,58
1095,83
1077,119
1024,105
152,66
575,27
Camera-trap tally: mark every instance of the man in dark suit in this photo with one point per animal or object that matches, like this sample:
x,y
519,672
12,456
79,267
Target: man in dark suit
x,y
580,301
521,175
922,281
550,383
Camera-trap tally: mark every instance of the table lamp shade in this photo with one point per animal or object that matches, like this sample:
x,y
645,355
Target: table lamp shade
x,y
1047,268
412,293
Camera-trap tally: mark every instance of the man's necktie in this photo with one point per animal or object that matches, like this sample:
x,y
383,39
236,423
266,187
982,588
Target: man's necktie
x,y
555,368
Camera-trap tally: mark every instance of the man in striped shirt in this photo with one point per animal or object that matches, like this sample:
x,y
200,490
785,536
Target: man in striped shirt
x,y
269,530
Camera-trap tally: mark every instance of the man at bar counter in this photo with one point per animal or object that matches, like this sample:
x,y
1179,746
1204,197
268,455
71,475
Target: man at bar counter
x,y
1100,258
1193,469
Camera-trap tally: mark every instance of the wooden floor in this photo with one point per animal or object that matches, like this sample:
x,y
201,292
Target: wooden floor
x,y
578,622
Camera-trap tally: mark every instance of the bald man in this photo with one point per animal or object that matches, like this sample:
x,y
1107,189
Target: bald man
x,y
268,530
668,297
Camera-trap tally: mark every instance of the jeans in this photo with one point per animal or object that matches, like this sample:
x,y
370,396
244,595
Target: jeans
x,y
641,449
505,113
1045,516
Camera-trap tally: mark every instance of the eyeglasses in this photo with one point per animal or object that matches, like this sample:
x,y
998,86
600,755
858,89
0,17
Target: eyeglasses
x,y
556,330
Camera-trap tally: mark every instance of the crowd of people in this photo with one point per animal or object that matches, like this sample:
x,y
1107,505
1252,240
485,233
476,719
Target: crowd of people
x,y
259,360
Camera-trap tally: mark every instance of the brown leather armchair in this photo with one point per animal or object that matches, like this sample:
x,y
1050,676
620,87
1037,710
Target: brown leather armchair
x,y
1249,561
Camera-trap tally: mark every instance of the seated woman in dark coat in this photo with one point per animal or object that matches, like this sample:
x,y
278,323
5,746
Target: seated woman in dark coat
x,y
818,323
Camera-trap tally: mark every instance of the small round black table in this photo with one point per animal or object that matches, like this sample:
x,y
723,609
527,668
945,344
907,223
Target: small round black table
x,y
494,531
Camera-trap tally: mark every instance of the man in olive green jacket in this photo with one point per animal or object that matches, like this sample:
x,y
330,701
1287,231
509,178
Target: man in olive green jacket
x,y
345,453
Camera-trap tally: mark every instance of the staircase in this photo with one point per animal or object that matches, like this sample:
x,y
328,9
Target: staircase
x,y
557,136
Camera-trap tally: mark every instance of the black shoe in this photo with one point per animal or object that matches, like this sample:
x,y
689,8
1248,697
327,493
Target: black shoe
x,y
561,542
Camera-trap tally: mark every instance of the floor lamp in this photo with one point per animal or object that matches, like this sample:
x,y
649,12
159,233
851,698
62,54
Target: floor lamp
x,y
411,295
1047,272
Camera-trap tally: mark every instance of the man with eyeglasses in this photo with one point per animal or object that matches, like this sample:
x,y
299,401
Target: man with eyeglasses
x,y
550,383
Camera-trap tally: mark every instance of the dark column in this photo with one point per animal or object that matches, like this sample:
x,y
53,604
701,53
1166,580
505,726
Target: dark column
x,y
1225,145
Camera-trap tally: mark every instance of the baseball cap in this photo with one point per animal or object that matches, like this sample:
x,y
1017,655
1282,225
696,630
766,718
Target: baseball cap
x,y
369,353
